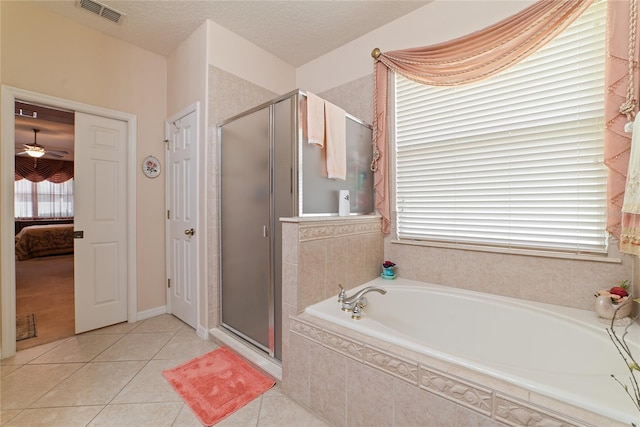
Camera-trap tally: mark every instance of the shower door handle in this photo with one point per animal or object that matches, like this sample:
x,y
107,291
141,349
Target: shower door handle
x,y
265,231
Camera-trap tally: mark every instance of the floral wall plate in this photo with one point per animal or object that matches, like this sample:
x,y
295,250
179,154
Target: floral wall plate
x,y
151,167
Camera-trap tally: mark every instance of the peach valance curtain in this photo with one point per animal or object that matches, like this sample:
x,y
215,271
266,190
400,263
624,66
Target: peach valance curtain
x,y
464,60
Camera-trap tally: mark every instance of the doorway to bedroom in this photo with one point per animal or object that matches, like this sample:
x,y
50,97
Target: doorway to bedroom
x,y
104,232
44,216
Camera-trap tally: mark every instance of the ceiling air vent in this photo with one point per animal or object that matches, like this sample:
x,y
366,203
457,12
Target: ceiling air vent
x,y
101,9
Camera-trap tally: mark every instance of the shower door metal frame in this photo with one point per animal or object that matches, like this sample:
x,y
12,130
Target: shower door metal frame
x,y
296,133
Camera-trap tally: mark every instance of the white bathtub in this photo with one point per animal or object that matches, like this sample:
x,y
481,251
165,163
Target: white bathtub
x,y
560,352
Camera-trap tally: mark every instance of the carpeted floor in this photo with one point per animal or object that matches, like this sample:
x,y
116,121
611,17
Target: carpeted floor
x,y
44,287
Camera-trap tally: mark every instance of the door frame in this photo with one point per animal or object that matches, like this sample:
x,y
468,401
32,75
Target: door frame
x,y
7,165
193,108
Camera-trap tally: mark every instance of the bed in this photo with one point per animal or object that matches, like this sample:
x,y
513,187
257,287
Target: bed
x,y
44,240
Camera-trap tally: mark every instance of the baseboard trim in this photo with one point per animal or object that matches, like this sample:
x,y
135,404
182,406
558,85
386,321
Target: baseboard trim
x,y
202,332
152,312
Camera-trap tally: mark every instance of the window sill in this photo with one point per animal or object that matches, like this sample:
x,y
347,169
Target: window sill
x,y
511,251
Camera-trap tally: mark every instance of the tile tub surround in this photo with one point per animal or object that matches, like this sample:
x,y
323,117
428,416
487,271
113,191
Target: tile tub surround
x,y
569,282
328,369
352,379
318,253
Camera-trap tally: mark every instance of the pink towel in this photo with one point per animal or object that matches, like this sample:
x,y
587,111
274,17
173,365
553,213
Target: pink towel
x,y
336,141
315,120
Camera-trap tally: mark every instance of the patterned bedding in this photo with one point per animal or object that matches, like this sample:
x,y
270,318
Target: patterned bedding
x,y
44,240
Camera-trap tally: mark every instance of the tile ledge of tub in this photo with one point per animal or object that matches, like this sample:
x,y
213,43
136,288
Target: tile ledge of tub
x,y
298,219
512,251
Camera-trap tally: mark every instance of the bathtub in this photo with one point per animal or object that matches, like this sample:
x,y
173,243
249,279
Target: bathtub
x,y
559,352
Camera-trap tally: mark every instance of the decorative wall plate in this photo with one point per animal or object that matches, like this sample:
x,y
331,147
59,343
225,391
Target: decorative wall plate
x,y
151,167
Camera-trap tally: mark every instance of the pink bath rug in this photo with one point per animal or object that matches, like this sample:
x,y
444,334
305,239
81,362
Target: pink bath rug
x,y
217,384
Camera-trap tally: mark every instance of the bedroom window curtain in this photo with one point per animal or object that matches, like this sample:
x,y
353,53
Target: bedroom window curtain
x,y
43,199
43,169
470,59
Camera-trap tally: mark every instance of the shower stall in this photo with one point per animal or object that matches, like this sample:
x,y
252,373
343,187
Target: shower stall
x,y
268,171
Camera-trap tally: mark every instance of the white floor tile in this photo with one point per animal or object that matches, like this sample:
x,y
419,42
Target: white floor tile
x,y
149,385
138,415
135,346
7,369
185,346
7,415
81,348
186,418
95,384
119,328
25,356
244,417
55,417
27,384
113,377
284,412
162,323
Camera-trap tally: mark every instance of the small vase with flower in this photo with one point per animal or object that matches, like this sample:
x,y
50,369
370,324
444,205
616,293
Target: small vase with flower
x,y
614,302
388,270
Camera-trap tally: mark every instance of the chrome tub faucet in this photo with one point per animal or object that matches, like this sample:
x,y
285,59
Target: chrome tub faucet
x,y
357,302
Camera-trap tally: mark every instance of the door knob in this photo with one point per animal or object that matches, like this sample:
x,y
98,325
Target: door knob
x,y
190,232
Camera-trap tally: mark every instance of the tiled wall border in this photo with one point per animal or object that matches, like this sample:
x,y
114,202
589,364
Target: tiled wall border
x,y
489,401
350,227
468,394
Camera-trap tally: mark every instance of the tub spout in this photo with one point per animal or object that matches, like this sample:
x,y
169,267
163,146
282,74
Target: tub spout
x,y
348,303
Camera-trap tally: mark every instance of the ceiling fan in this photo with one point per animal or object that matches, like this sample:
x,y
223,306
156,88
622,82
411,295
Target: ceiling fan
x,y
36,150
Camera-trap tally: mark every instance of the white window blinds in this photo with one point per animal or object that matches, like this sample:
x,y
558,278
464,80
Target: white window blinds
x,y
43,199
515,160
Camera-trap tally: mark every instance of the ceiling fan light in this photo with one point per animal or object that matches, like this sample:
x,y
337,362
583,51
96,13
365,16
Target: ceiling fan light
x,y
35,151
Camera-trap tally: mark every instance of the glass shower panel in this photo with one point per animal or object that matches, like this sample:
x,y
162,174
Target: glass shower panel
x,y
245,226
320,194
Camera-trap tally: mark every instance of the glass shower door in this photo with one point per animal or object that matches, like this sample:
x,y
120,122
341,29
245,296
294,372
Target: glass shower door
x,y
245,230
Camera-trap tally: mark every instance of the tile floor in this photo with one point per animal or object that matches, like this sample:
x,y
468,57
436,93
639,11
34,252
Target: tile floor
x,y
113,377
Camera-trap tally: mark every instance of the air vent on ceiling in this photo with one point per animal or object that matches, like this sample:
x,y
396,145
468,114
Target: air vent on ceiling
x,y
101,9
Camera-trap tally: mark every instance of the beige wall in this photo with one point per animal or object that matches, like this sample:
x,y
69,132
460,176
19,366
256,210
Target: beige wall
x,y
237,56
45,53
186,85
187,71
438,21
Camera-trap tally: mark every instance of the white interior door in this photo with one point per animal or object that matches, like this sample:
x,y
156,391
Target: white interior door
x,y
182,192
100,205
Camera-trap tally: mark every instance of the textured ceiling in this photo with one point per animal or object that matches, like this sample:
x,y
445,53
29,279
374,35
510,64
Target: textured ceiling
x,y
294,31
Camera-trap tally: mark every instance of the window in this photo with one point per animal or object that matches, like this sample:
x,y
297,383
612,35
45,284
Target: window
x,y
43,199
512,161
